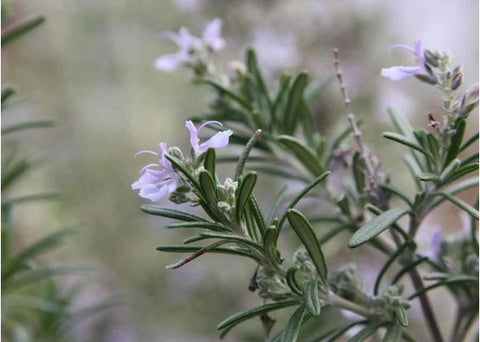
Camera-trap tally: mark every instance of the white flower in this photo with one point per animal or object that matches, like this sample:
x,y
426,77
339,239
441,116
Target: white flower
x,y
219,140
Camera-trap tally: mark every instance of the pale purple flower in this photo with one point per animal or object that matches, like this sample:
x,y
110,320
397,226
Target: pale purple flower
x,y
185,42
397,73
219,140
189,45
434,251
211,35
158,179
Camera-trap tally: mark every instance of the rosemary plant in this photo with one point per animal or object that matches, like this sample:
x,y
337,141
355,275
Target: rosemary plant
x,y
273,124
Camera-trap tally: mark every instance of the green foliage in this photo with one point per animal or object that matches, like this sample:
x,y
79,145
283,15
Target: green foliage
x,y
273,123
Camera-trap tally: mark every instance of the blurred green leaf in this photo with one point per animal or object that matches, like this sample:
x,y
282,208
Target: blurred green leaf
x,y
198,224
228,93
252,67
44,245
406,141
7,91
294,98
293,326
455,142
257,311
393,333
375,226
367,331
461,204
20,28
14,172
28,125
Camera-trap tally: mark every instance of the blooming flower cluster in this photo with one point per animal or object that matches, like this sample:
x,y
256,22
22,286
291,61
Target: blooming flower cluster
x,y
190,47
160,179
397,73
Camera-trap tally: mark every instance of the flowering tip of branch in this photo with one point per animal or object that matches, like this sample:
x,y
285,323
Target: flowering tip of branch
x,y
397,73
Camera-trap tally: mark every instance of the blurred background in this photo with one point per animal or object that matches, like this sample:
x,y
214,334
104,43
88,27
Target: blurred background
x,y
90,67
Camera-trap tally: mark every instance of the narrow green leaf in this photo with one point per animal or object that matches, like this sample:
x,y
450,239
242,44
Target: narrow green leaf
x,y
401,316
407,268
230,237
367,331
301,194
47,243
245,153
20,28
302,153
178,165
7,91
312,301
208,187
28,125
385,267
396,191
292,281
198,224
449,169
450,281
294,97
244,191
252,67
282,90
358,173
342,204
302,227
193,249
228,93
461,204
257,214
375,227
250,313
277,200
14,172
429,177
406,141
171,213
29,198
461,171
270,243
393,334
209,162
293,326
337,332
455,142
470,141
35,275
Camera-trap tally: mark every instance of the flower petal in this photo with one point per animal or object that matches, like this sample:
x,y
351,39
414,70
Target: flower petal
x,y
169,62
211,34
398,73
219,140
193,134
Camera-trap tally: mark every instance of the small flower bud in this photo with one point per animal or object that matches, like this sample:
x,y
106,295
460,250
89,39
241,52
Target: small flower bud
x,y
431,58
236,69
457,78
469,101
176,152
430,79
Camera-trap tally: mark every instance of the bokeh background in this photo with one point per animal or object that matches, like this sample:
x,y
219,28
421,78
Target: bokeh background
x,y
90,67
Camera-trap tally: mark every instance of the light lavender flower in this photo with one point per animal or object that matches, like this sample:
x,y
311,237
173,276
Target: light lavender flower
x,y
397,73
219,140
158,179
211,35
185,41
190,45
434,251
